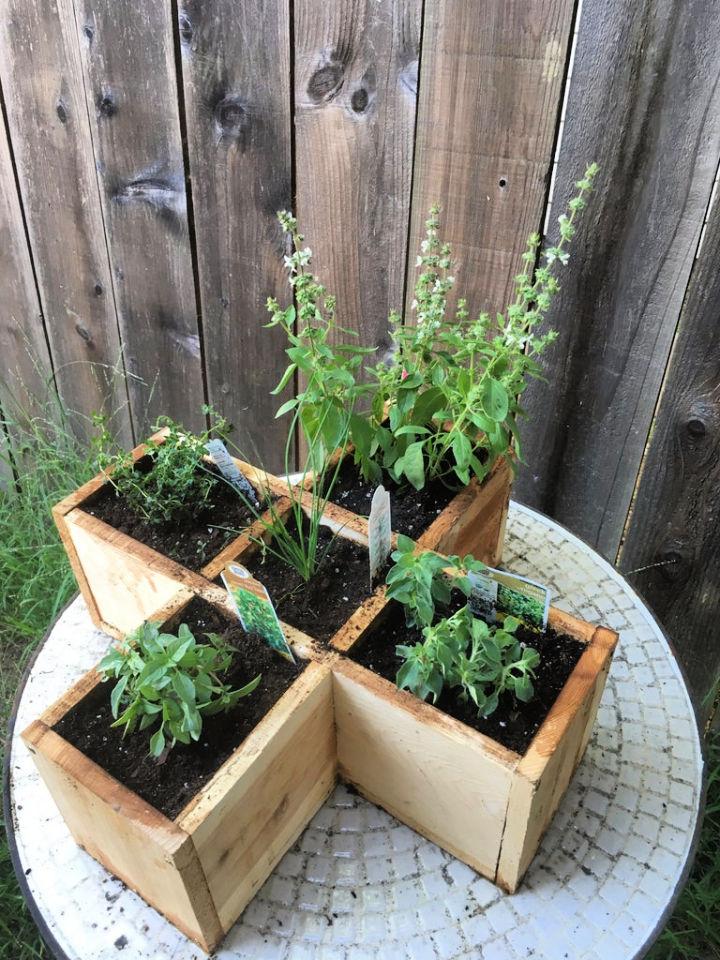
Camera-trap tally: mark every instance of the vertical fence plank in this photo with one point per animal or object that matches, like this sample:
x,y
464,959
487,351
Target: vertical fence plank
x,y
236,71
356,68
127,52
48,123
490,87
644,102
25,359
673,525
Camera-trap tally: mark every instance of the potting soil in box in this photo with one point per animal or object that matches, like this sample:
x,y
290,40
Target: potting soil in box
x,y
190,538
513,724
170,785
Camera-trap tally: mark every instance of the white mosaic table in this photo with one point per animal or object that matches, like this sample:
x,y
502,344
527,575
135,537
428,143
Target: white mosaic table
x,y
360,886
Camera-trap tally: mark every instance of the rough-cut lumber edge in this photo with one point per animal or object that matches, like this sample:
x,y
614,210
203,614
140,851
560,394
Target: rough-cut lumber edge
x,y
132,840
264,795
292,747
545,771
540,777
122,580
473,522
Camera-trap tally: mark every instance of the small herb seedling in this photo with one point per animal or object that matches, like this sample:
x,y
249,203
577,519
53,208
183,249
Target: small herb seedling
x,y
459,651
178,482
169,680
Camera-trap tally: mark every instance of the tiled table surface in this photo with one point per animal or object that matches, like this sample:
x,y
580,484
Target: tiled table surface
x,y
360,886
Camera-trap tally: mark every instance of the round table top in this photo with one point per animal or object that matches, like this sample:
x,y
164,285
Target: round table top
x,y
358,885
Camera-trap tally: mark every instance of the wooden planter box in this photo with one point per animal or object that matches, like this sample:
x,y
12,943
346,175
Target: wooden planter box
x,y
202,868
473,522
122,580
485,804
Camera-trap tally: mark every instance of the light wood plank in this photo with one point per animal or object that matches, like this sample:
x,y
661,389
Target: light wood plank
x,y
672,529
43,89
356,64
236,72
127,53
490,86
644,103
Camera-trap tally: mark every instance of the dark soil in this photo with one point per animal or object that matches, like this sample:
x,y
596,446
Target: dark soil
x,y
412,511
321,606
169,786
189,538
513,724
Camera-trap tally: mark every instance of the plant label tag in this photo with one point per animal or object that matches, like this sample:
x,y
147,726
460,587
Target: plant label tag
x,y
379,531
510,593
230,470
255,608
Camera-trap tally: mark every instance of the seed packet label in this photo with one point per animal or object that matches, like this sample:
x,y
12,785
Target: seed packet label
x,y
379,531
230,470
255,608
498,590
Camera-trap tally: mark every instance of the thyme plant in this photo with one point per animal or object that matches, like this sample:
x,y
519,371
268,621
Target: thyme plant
x,y
178,482
170,680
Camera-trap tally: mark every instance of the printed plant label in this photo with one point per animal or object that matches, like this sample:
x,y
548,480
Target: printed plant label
x,y
379,531
230,470
255,608
499,590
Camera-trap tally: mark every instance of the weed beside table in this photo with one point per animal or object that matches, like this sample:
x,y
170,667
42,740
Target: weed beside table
x,y
358,884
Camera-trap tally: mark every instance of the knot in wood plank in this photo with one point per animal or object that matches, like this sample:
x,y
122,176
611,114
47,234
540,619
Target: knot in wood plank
x,y
326,82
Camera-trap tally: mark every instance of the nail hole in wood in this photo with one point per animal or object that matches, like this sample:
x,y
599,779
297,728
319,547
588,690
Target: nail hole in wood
x,y
186,30
502,182
106,105
696,428
98,290
359,100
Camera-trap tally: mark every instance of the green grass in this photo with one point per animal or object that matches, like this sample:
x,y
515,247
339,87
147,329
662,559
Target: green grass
x,y
37,582
693,932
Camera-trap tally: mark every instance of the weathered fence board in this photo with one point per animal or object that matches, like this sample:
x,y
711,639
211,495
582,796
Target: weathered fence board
x,y
356,66
42,85
673,527
25,357
644,102
490,85
127,51
236,69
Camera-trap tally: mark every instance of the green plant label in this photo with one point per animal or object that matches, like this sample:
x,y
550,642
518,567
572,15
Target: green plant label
x,y
497,590
379,531
230,470
255,608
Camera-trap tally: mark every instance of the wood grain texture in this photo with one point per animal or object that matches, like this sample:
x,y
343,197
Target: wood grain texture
x,y
130,838
26,359
236,73
262,798
644,103
436,775
490,86
127,53
673,527
356,68
43,89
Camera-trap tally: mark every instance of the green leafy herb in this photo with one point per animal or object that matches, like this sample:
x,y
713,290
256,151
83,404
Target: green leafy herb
x,y
329,370
178,481
418,580
465,653
169,682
